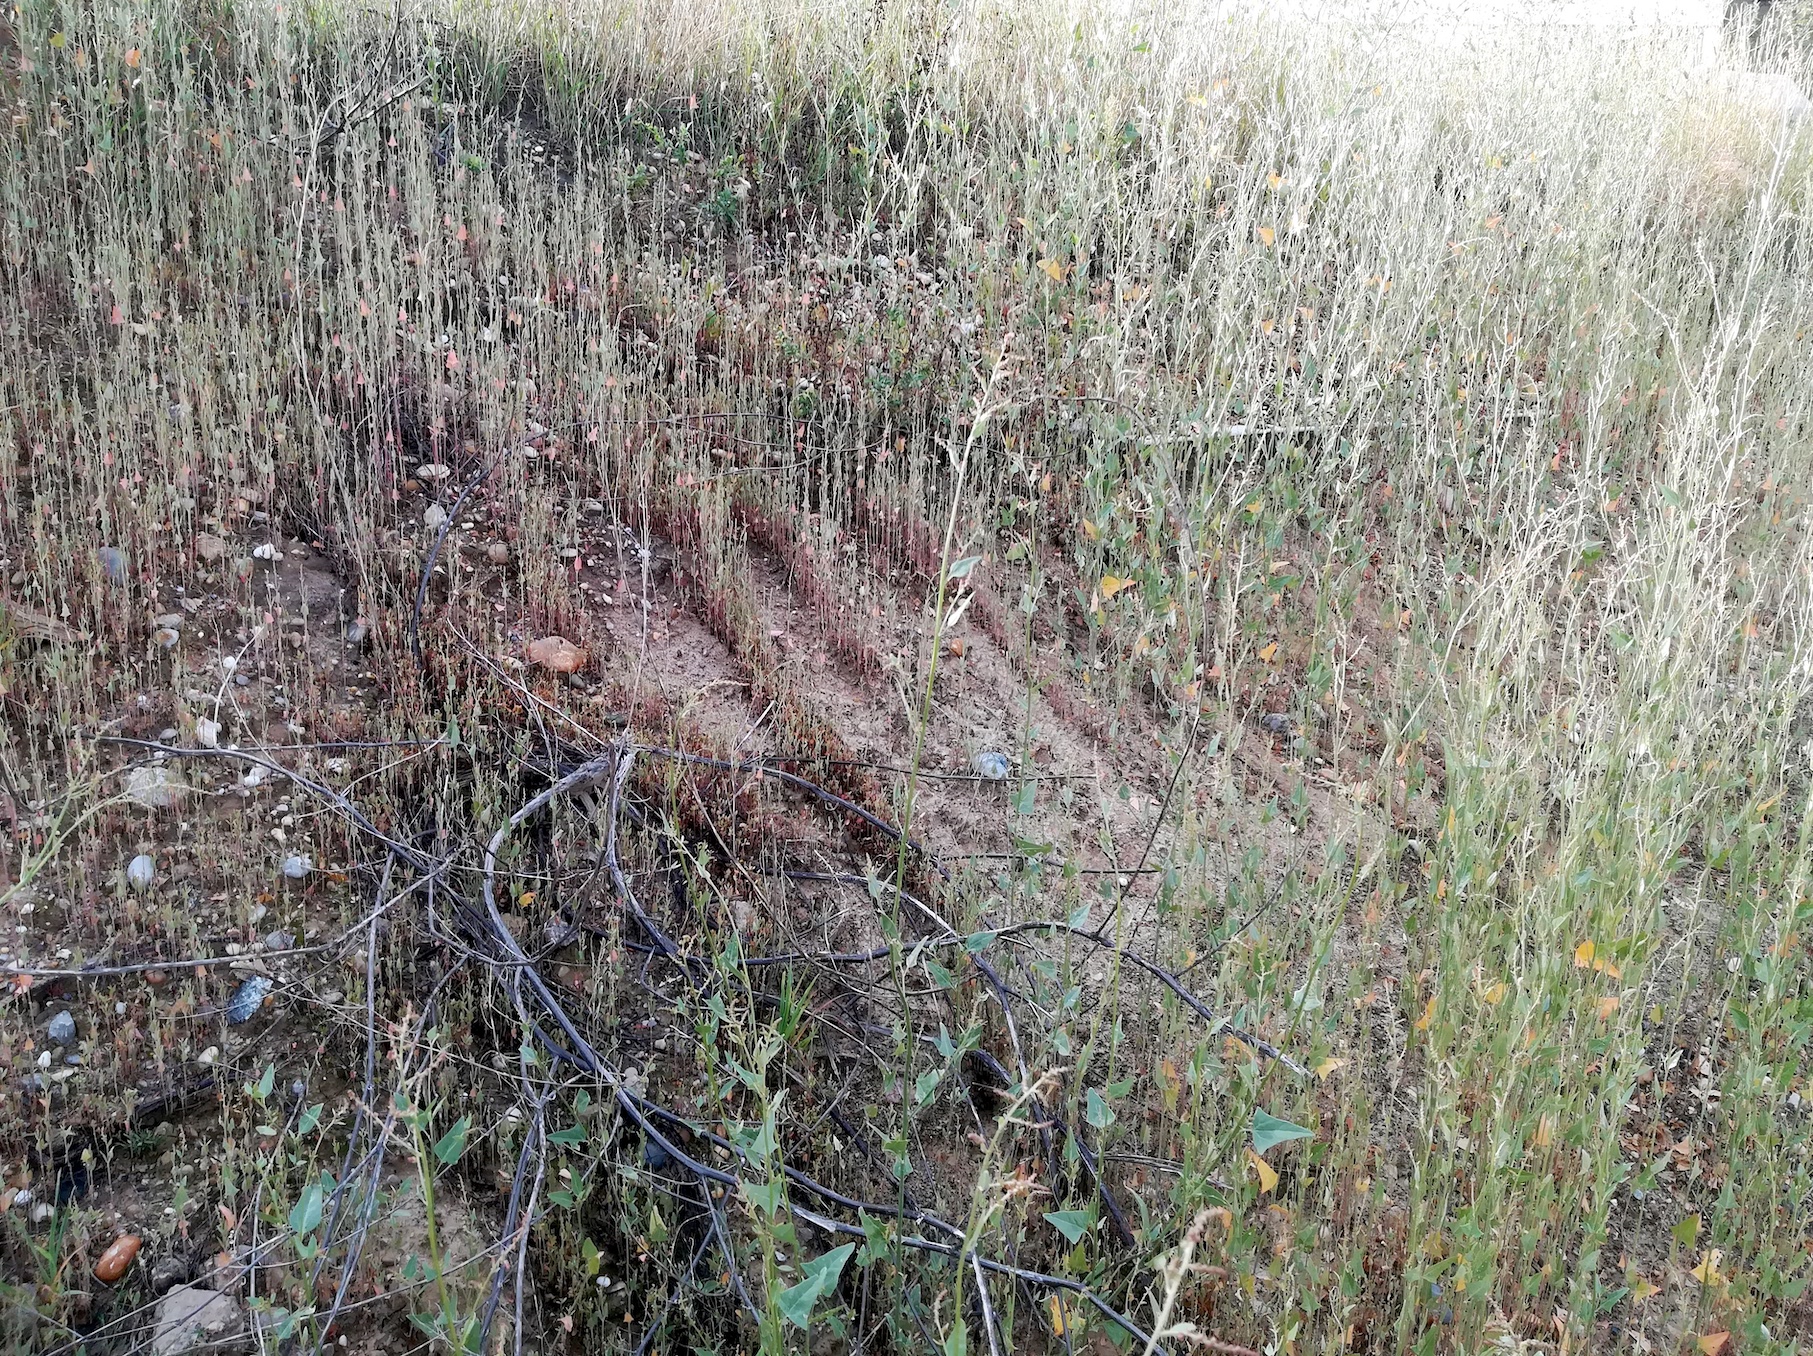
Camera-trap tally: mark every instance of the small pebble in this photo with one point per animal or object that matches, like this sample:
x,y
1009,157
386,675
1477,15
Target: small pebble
x,y
279,941
208,1056
140,872
297,865
497,553
62,1029
991,766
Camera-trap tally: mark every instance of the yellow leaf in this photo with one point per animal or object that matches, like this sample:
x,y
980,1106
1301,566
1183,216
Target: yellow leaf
x,y
1643,1289
1707,1272
1422,1023
132,58
1494,995
1265,655
1545,1132
1583,955
1716,1343
1328,1066
1267,235
1091,531
1606,967
1057,1314
1053,269
1268,1176
1196,101
1606,1007
1254,507
1112,585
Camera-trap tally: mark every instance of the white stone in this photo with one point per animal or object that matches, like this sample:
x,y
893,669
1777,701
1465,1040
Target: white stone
x,y
190,1318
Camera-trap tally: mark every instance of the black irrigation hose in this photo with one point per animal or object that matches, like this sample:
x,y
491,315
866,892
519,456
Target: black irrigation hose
x,y
497,946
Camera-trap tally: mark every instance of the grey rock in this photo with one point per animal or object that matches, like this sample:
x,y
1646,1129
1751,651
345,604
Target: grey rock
x,y
1277,723
189,1318
279,941
62,1029
297,865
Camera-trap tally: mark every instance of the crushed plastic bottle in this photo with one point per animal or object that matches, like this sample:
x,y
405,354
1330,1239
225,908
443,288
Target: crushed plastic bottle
x,y
991,766
247,999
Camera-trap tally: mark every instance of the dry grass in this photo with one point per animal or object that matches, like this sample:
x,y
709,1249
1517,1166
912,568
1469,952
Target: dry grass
x,y
1107,380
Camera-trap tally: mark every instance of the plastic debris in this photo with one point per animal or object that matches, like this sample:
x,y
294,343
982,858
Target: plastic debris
x,y
991,766
62,1029
247,999
557,654
297,865
154,787
141,871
